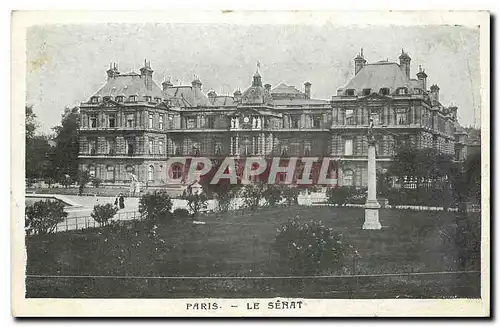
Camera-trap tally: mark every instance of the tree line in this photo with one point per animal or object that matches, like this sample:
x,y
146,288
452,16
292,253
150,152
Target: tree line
x,y
52,157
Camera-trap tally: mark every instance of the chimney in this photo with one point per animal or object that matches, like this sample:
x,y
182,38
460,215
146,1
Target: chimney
x,y
267,87
147,75
422,77
404,63
434,95
307,90
359,62
112,71
212,94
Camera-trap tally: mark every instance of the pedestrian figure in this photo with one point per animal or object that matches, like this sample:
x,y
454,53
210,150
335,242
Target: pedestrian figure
x,y
80,190
122,201
116,201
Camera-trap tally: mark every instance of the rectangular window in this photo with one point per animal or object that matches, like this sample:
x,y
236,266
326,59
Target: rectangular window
x,y
401,118
130,120
92,147
150,125
349,117
112,120
210,121
307,148
294,121
147,98
348,148
316,120
130,147
111,146
160,146
191,123
150,151
217,148
93,120
255,145
161,122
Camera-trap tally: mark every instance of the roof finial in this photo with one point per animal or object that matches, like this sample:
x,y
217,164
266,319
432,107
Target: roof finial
x,y
258,65
420,68
361,52
402,51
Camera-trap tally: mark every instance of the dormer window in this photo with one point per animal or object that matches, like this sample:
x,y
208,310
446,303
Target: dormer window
x,y
402,91
119,99
384,91
147,98
132,98
106,98
349,92
367,91
94,100
417,91
158,100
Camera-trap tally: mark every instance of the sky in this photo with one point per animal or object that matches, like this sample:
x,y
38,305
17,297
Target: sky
x,y
66,64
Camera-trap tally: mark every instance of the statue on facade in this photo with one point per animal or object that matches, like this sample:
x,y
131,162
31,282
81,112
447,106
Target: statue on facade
x,y
371,135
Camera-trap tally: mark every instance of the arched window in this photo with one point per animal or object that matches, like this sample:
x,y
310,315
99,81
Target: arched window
x,y
384,91
94,99
151,170
177,171
347,178
92,170
110,173
160,173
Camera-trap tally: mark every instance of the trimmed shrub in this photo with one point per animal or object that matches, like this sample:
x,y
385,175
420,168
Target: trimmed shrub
x,y
96,182
291,195
339,195
224,194
196,201
273,194
309,247
155,207
42,217
252,194
103,213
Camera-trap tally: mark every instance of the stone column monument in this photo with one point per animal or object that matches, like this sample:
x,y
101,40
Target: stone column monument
x,y
372,206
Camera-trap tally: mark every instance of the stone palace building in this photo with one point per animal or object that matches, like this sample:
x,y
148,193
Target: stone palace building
x,y
131,125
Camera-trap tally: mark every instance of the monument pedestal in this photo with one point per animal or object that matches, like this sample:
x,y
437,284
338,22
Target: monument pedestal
x,y
371,215
372,205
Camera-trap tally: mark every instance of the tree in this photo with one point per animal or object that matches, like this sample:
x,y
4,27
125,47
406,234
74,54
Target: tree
x,y
155,207
420,164
83,179
42,217
65,154
103,213
37,147
196,201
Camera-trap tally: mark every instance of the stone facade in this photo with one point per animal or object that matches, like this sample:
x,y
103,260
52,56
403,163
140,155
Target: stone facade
x,y
131,125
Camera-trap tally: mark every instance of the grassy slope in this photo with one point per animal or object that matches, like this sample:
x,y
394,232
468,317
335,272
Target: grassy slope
x,y
240,245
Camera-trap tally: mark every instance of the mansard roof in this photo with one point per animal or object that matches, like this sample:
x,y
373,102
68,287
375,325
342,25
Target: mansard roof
x,y
382,74
187,96
127,85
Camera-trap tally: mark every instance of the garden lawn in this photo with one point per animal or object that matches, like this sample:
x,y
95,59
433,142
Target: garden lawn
x,y
239,244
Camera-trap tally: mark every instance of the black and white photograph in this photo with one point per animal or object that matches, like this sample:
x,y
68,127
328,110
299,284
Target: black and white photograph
x,y
251,163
